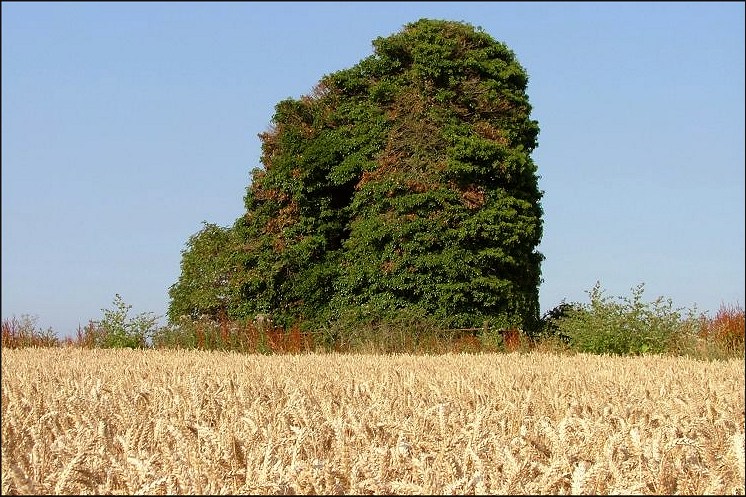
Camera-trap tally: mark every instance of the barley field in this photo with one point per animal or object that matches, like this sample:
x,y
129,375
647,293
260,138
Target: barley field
x,y
174,422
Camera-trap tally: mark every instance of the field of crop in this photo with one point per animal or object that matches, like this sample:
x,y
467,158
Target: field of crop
x,y
154,421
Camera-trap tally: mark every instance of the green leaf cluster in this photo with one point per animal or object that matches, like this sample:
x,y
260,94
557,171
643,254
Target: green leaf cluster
x,y
402,183
627,326
118,330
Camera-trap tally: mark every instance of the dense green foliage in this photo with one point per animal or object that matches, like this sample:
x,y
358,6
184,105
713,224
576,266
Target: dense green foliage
x,y
629,326
117,330
403,183
204,285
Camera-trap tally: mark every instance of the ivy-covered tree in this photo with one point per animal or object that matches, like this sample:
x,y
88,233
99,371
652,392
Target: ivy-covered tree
x,y
404,182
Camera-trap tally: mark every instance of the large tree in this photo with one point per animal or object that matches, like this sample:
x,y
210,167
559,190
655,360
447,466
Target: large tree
x,y
403,182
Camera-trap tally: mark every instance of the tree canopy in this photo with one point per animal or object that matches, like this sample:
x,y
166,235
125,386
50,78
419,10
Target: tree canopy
x,y
403,182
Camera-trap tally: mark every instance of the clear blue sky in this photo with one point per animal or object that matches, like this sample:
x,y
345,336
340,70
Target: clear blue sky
x,y
127,124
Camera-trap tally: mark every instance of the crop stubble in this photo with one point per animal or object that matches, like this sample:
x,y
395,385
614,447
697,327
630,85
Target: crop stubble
x,y
134,421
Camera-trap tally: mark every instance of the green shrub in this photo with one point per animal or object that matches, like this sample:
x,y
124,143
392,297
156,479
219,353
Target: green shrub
x,y
116,330
629,326
548,324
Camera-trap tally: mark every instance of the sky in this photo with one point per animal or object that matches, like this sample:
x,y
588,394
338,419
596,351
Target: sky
x,y
126,125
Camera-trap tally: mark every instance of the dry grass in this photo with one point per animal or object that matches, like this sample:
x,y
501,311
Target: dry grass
x,y
726,328
168,422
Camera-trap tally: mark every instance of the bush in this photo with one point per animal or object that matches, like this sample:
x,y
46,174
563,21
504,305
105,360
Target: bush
x,y
629,326
115,330
548,326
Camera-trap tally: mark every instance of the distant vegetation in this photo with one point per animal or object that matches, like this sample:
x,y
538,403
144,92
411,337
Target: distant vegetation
x,y
626,326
